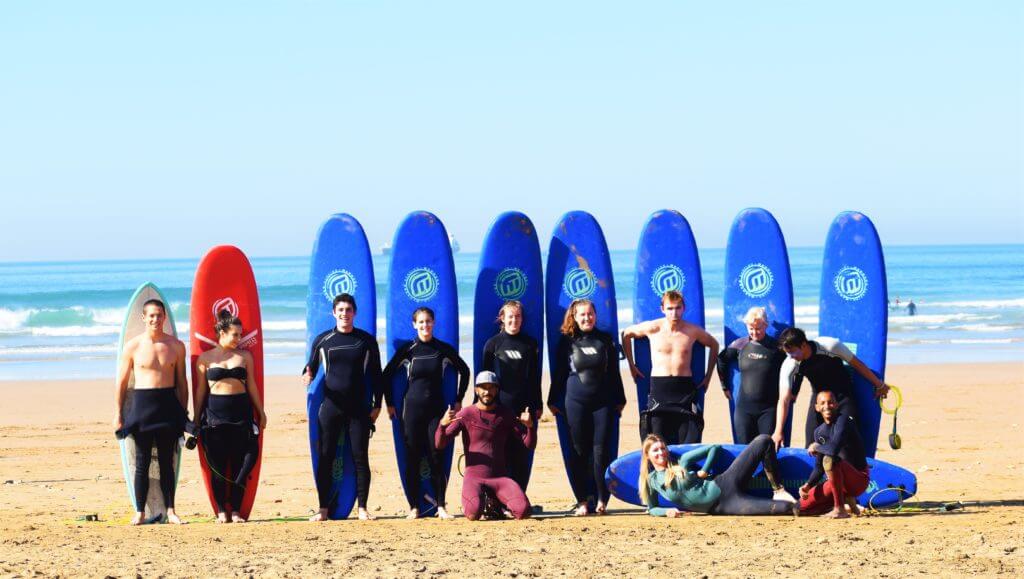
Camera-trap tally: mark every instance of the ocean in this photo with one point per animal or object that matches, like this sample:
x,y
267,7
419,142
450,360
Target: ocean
x,y
60,320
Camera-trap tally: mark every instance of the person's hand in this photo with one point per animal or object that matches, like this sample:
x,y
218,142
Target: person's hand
x,y
882,391
391,412
448,417
805,492
263,420
813,449
704,383
618,409
458,406
727,394
527,418
674,513
553,409
118,421
635,372
306,378
777,439
702,474
374,414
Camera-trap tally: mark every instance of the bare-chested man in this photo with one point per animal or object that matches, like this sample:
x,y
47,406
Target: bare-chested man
x,y
672,412
155,413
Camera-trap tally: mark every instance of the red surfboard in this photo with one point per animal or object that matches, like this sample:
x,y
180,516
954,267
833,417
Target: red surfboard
x,y
224,280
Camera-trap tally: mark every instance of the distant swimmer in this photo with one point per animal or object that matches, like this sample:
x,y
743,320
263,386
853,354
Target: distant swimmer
x,y
911,308
156,412
488,428
351,360
424,360
694,489
514,357
760,361
226,398
586,380
671,409
839,453
821,362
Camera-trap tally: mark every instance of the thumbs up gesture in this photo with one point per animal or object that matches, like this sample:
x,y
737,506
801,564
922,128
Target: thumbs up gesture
x,y
448,417
527,418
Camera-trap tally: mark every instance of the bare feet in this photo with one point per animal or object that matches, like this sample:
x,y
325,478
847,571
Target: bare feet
x,y
320,516
601,508
444,515
836,514
796,510
173,518
854,507
236,517
413,514
582,510
137,519
364,515
222,517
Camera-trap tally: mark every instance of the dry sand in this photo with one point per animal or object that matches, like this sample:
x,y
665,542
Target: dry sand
x,y
961,427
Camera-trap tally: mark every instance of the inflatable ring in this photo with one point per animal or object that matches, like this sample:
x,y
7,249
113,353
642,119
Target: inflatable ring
x,y
899,400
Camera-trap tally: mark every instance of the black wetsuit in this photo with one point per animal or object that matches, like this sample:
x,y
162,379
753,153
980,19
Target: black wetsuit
x,y
516,361
424,404
153,416
672,411
229,439
350,360
826,371
759,365
586,384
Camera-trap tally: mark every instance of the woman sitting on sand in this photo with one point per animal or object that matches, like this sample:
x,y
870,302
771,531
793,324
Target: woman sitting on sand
x,y
226,396
696,491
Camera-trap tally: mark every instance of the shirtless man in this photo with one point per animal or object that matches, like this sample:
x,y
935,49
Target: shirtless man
x,y
156,413
672,412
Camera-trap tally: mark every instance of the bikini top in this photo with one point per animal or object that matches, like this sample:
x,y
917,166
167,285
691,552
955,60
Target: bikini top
x,y
216,373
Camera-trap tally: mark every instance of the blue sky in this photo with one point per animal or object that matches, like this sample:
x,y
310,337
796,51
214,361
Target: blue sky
x,y
159,129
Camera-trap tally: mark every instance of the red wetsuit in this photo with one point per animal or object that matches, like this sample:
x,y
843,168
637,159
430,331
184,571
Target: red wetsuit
x,y
485,437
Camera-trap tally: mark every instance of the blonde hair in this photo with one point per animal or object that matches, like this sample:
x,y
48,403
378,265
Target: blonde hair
x,y
673,471
756,313
509,305
569,326
672,296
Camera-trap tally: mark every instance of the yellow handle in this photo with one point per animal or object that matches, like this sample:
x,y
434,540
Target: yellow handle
x,y
899,400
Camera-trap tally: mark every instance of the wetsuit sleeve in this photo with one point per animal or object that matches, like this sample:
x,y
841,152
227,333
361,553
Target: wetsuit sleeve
x,y
536,398
527,434
837,438
652,502
375,374
389,372
313,364
460,365
789,378
560,373
727,357
445,434
488,358
614,377
817,473
708,452
836,348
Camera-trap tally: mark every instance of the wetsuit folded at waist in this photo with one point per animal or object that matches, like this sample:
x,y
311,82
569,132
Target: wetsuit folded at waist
x,y
672,393
152,409
228,410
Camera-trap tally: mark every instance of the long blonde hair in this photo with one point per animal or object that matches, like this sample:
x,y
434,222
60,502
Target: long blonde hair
x,y
569,326
673,471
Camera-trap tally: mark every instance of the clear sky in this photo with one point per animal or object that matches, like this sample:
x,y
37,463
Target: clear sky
x,y
158,129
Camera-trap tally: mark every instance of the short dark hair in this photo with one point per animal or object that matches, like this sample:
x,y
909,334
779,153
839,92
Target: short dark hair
x,y
344,298
155,302
792,338
423,310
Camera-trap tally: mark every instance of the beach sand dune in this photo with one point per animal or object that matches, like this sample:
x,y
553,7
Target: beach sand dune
x,y
961,428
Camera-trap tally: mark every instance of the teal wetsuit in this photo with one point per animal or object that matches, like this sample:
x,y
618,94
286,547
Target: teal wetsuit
x,y
727,493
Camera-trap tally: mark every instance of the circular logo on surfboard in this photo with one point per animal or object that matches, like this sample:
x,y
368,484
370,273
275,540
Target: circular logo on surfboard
x,y
228,304
510,284
667,278
579,283
339,281
421,284
851,283
756,280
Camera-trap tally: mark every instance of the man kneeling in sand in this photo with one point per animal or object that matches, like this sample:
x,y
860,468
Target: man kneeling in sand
x,y
671,407
839,453
486,427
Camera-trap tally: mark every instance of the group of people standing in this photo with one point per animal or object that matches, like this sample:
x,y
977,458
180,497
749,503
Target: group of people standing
x,y
499,429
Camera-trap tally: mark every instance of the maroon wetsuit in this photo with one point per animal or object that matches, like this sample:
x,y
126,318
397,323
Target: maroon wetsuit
x,y
485,437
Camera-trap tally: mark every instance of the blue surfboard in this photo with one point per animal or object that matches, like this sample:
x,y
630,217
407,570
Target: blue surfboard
x,y
422,274
667,259
853,308
341,263
579,266
757,274
794,463
510,269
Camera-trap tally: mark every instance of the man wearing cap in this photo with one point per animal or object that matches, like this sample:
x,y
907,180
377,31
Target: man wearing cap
x,y
486,428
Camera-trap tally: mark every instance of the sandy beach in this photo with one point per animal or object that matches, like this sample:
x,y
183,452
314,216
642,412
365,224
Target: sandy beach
x,y
961,429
